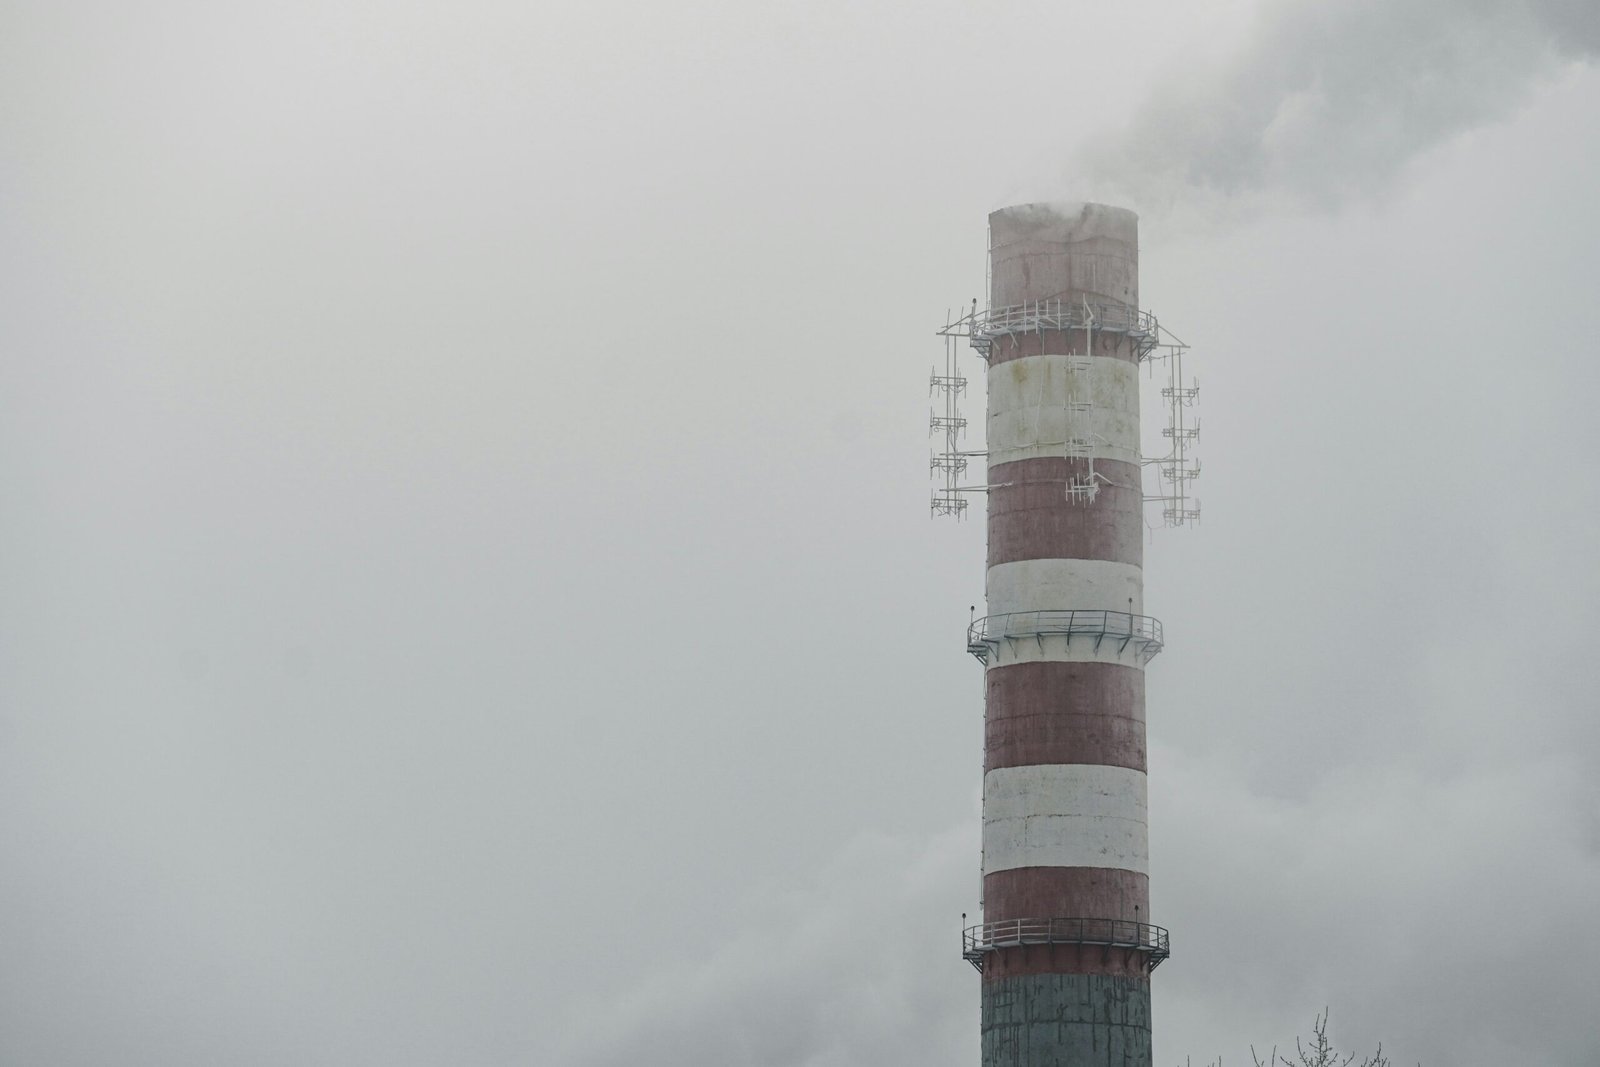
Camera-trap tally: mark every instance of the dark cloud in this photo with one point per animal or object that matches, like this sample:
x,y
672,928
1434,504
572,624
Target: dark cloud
x,y
1323,104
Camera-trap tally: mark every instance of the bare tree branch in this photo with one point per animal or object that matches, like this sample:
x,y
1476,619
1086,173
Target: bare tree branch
x,y
1319,1051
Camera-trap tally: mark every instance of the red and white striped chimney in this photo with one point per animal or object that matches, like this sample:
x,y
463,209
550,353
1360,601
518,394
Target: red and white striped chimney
x,y
1066,946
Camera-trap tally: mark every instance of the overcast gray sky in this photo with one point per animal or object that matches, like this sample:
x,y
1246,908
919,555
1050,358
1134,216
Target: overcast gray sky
x,y
466,591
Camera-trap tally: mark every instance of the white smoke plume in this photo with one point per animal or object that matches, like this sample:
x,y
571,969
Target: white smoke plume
x,y
1325,103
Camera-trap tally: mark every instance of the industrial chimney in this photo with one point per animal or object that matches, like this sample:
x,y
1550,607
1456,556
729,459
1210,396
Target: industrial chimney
x,y
1066,947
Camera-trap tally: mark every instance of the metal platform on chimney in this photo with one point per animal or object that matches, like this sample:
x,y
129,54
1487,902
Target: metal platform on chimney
x,y
978,941
1141,632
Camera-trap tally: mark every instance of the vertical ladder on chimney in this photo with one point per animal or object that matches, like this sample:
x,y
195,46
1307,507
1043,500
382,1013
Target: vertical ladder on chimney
x,y
1082,485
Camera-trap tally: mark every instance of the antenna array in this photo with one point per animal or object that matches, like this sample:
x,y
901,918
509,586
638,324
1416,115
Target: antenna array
x,y
949,466
1175,470
1178,468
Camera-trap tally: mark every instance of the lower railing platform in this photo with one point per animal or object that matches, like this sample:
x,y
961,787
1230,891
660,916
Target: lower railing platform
x,y
978,941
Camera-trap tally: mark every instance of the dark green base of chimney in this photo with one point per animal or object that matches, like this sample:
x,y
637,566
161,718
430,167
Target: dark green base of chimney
x,y
1066,1020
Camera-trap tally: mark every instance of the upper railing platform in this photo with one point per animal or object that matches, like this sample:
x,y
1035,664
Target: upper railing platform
x,y
978,941
1140,632
984,328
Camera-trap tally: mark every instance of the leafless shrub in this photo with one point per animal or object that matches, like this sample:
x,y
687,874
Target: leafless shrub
x,y
1317,1052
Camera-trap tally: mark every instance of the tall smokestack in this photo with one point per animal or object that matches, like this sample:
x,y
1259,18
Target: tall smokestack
x,y
1065,947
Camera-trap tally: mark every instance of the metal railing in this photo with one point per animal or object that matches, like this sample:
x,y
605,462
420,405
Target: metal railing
x,y
1141,632
995,323
979,941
